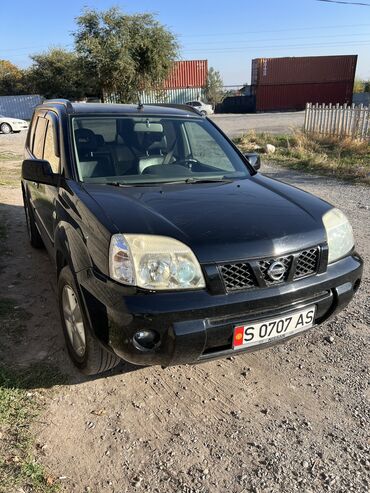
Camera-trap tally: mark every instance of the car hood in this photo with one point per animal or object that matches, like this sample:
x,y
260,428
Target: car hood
x,y
250,218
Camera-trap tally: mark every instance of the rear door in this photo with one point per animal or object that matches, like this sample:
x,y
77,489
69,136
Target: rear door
x,y
50,193
43,144
35,150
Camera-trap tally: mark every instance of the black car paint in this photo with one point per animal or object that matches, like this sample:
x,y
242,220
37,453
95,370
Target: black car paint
x,y
250,218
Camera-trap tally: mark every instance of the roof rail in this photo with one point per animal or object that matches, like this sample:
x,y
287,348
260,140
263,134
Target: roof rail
x,y
184,107
64,102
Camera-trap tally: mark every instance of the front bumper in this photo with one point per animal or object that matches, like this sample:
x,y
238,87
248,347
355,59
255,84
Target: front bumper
x,y
196,326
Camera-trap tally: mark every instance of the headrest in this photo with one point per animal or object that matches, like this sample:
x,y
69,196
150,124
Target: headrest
x,y
160,145
86,140
100,140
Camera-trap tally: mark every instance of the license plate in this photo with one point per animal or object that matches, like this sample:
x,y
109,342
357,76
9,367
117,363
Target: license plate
x,y
260,332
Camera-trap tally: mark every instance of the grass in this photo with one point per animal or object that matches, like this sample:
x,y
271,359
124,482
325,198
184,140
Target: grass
x,y
22,397
9,156
10,176
18,408
341,157
10,169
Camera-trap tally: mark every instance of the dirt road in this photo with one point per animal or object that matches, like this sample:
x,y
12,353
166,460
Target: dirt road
x,y
291,418
274,123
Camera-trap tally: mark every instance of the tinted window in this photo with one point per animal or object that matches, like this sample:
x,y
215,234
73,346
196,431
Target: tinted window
x,y
38,144
49,149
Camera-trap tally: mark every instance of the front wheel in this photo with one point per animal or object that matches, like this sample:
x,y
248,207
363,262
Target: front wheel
x,y
203,113
87,354
5,128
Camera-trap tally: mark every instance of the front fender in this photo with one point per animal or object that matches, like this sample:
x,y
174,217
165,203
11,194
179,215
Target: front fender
x,y
70,245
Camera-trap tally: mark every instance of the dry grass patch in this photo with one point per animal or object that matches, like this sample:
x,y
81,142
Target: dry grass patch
x,y
342,157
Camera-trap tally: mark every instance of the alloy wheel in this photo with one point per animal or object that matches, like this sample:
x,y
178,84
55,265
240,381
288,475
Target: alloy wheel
x,y
73,320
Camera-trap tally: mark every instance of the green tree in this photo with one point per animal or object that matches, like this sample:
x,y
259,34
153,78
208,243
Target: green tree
x,y
57,74
124,54
214,88
358,86
11,79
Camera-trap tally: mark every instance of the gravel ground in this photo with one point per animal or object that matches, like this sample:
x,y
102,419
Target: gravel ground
x,y
275,123
293,418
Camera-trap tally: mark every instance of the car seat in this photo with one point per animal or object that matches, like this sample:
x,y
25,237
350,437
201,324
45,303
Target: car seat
x,y
91,163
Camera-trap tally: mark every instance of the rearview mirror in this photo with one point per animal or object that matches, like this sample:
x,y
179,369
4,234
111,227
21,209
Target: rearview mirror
x,y
39,171
148,127
253,159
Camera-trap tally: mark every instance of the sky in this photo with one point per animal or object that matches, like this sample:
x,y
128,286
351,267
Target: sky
x,y
229,35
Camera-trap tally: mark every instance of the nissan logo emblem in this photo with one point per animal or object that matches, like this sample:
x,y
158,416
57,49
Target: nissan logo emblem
x,y
276,271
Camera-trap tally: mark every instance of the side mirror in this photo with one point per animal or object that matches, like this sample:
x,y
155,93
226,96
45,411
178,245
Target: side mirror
x,y
39,171
253,159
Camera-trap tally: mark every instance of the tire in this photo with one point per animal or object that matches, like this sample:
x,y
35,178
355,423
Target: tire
x,y
33,232
86,352
203,113
6,128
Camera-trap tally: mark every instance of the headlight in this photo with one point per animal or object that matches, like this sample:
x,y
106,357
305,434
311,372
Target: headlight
x,y
153,262
339,234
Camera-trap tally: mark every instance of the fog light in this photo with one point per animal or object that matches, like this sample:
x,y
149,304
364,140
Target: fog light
x,y
144,340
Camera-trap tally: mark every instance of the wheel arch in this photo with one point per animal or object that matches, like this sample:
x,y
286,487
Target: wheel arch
x,y
70,249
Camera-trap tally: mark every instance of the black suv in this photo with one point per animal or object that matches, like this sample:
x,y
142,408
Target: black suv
x,y
169,247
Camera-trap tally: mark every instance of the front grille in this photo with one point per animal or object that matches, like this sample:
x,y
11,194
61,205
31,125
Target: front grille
x,y
237,276
253,274
307,263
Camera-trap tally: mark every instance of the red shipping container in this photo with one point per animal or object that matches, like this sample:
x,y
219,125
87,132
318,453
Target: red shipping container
x,y
187,73
296,70
295,96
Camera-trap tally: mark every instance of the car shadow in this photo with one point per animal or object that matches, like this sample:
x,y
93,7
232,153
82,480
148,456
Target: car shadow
x,y
32,349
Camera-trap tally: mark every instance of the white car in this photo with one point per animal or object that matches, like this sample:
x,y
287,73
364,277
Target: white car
x,y
9,124
203,108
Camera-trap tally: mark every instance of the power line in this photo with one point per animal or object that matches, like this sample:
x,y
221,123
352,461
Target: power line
x,y
311,28
362,4
287,46
284,39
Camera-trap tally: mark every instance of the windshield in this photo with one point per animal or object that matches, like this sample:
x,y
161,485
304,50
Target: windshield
x,y
145,149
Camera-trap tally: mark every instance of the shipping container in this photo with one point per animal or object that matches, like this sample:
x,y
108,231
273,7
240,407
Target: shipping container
x,y
303,70
19,106
173,96
186,74
295,96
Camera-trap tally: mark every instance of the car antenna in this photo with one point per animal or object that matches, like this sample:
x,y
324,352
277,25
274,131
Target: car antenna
x,y
140,105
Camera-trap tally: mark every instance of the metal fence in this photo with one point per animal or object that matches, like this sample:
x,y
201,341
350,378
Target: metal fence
x,y
19,106
339,121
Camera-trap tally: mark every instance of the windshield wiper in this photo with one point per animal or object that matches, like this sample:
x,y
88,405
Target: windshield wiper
x,y
191,179
213,179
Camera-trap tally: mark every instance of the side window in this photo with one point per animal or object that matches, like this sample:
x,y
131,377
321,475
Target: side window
x,y
38,143
31,134
205,149
49,149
